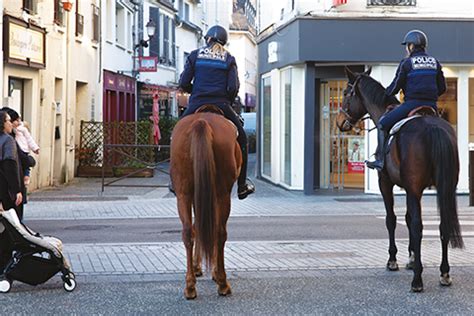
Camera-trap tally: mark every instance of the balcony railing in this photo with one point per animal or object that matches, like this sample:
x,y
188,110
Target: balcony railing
x,y
391,2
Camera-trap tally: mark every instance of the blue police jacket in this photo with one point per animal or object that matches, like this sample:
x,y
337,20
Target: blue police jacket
x,y
210,77
420,77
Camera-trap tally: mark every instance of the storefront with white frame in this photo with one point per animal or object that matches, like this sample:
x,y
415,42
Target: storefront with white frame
x,y
302,57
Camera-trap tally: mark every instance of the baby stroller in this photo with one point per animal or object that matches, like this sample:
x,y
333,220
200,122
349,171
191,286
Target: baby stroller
x,y
35,258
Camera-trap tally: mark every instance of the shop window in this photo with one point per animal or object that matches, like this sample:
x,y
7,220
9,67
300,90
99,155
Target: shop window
x,y
471,110
266,126
286,125
448,102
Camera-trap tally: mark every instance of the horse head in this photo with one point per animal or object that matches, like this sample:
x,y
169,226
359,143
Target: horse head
x,y
353,108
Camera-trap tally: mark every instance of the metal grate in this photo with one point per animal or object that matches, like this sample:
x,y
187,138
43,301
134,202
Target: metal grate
x,y
95,134
391,2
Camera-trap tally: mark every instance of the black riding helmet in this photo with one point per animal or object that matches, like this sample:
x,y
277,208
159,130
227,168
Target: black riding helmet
x,y
417,38
217,34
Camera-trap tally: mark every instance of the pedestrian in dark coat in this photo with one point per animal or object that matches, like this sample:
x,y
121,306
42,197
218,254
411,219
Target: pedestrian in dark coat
x,y
10,183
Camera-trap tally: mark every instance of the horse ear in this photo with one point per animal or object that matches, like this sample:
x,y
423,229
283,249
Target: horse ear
x,y
368,71
350,75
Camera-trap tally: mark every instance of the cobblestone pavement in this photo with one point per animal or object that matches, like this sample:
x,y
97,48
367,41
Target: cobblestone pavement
x,y
81,201
165,258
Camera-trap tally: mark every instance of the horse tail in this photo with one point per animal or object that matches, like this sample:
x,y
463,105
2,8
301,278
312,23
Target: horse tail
x,y
204,169
445,162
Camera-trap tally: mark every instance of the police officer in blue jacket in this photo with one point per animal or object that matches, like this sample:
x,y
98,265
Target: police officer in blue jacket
x,y
420,77
210,75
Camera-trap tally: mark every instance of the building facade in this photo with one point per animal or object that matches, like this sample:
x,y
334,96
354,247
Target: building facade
x,y
117,77
303,49
43,80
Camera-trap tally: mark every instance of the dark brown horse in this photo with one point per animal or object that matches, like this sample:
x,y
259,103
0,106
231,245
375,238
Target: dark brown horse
x,y
423,153
205,163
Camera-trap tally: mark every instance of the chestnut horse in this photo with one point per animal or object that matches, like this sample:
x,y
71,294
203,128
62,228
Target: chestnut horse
x,y
205,163
423,153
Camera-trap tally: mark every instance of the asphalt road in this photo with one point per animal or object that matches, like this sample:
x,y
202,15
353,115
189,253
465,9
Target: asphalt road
x,y
329,292
239,229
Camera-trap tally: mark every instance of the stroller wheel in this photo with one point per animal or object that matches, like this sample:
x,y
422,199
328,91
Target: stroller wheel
x,y
5,286
69,285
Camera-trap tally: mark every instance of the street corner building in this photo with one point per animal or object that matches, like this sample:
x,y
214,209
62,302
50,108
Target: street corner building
x,y
303,49
50,76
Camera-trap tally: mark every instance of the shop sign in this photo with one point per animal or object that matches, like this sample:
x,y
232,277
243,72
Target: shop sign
x,y
24,43
338,2
272,52
147,64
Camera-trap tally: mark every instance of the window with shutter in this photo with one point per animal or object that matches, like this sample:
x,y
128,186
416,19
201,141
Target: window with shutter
x,y
155,40
173,46
95,23
166,41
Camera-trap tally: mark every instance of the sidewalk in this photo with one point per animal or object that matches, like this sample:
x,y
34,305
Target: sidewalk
x,y
82,199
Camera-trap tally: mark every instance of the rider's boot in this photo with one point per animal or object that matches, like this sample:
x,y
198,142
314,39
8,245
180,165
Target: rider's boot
x,y
379,161
171,187
244,186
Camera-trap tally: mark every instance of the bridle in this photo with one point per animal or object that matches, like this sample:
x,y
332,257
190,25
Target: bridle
x,y
349,120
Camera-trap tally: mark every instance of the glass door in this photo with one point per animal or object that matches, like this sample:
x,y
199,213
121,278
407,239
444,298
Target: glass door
x,y
341,154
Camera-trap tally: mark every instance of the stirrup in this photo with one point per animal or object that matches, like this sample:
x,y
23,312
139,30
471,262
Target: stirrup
x,y
376,164
245,190
171,188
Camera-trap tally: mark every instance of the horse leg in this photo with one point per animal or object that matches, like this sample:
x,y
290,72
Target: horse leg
x,y
223,286
416,228
444,279
197,259
184,209
386,187
411,256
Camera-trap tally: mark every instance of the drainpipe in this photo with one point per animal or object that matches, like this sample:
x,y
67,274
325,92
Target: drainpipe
x,y
68,98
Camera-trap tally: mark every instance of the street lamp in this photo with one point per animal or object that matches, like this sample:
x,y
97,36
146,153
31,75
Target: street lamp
x,y
67,4
150,30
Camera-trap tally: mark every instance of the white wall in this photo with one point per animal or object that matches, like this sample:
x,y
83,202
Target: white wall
x,y
116,56
271,10
245,52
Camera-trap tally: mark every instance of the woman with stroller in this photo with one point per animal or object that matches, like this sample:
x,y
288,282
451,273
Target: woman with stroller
x,y
10,184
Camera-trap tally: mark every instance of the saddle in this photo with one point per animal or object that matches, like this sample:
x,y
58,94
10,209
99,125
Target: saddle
x,y
420,111
210,108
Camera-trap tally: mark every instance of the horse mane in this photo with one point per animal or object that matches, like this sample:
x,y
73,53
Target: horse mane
x,y
375,92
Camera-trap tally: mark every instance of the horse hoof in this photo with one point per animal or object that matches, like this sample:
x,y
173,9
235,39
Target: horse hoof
x,y
410,265
392,266
445,279
198,272
417,289
190,293
224,290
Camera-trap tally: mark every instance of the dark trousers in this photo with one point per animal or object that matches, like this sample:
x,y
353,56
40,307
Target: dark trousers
x,y
230,114
391,118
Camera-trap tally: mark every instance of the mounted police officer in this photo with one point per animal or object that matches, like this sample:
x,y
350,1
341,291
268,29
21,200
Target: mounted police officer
x,y
420,77
211,76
